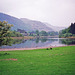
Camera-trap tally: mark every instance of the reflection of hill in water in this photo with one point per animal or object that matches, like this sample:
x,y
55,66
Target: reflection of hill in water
x,y
44,40
38,42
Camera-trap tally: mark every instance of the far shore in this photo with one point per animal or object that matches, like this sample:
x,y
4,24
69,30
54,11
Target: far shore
x,y
13,49
25,37
33,37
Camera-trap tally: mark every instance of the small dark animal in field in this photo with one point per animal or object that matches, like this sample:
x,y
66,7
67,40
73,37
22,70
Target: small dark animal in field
x,y
47,48
50,48
6,54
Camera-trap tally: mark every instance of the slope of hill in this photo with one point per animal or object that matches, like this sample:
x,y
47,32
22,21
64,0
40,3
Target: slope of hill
x,y
55,28
24,24
36,25
28,25
18,24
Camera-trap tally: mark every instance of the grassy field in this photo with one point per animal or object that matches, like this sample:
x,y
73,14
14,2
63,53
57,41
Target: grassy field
x,y
58,61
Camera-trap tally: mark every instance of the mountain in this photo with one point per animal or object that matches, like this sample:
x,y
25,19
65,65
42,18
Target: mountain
x,y
27,25
24,24
18,24
36,25
55,28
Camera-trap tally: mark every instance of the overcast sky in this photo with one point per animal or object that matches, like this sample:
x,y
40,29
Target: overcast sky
x,y
55,12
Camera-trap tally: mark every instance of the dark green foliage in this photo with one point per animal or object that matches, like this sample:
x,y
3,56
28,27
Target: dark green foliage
x,y
5,33
67,41
72,28
16,41
53,33
5,41
4,29
43,33
16,34
9,41
68,32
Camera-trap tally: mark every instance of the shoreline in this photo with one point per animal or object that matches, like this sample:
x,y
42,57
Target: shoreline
x,y
13,49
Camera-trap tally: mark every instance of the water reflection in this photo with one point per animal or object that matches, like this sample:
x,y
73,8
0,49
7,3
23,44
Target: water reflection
x,y
38,42
67,41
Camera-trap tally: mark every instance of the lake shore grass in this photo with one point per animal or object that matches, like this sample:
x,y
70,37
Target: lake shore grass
x,y
58,61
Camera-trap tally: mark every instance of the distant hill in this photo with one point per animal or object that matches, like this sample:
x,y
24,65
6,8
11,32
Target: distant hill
x,y
36,25
55,28
28,25
18,24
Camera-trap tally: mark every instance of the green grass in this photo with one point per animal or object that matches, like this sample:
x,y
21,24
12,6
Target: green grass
x,y
59,61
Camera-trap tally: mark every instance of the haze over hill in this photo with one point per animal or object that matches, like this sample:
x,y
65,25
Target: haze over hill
x,y
55,28
36,25
26,24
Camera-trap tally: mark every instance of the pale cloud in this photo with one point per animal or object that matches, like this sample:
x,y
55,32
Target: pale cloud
x,y
55,12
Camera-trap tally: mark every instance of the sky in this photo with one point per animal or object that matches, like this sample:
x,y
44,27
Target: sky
x,y
55,12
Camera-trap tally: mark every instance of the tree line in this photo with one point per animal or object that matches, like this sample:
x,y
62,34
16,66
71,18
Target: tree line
x,y
68,32
43,33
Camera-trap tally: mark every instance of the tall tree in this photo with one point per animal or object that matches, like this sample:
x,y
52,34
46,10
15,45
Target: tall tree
x,y
4,32
72,28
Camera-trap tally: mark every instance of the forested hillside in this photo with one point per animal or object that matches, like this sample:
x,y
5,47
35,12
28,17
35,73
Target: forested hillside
x,y
69,32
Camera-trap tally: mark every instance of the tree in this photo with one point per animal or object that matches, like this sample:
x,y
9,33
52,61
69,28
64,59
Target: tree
x,y
37,32
44,33
68,32
4,29
4,32
72,28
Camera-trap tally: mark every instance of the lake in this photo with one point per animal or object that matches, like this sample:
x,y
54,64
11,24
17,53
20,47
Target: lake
x,y
39,42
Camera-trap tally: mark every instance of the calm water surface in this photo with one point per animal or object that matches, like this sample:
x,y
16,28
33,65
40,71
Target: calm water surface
x,y
44,42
